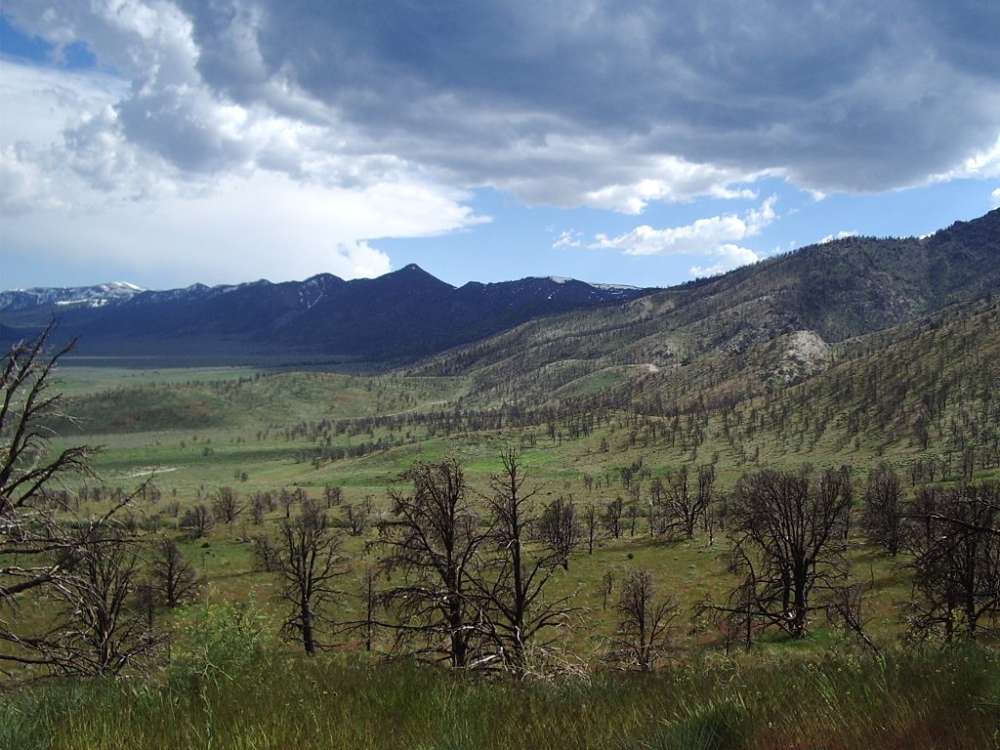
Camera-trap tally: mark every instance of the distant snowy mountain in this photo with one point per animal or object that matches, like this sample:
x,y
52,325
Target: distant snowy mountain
x,y
99,295
401,315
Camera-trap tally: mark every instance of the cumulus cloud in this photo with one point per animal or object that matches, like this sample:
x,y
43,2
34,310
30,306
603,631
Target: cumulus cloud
x,y
701,236
842,234
23,186
264,225
76,185
611,105
995,195
568,238
715,238
606,104
729,257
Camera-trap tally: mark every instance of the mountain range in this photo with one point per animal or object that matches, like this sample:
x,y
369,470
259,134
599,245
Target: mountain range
x,y
550,330
773,322
398,316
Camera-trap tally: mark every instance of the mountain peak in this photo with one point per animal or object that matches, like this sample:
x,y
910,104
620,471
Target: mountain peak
x,y
414,270
412,274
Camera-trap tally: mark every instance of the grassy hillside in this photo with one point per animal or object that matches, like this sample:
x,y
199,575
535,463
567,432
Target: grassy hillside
x,y
190,433
835,292
923,396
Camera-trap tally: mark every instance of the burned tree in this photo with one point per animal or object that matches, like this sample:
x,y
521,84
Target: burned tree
x,y
590,521
308,561
226,507
101,632
265,553
172,578
430,539
558,528
333,495
96,630
197,521
644,623
686,505
46,553
260,504
883,513
613,517
955,544
356,516
787,542
510,583
29,529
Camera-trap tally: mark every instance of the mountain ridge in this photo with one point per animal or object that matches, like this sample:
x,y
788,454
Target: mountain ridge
x,y
835,291
404,314
821,294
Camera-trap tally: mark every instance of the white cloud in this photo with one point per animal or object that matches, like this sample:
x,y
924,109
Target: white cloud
x,y
76,188
730,257
23,186
995,195
321,102
981,164
841,235
701,236
568,238
247,227
672,180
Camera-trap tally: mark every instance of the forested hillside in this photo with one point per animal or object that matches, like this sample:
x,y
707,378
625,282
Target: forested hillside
x,y
782,314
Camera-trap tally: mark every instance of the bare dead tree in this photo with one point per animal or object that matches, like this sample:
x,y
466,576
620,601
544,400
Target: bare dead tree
x,y
632,514
333,495
510,583
558,528
786,532
431,538
357,516
371,608
590,522
95,631
706,497
613,517
197,521
226,507
309,562
847,609
644,623
29,531
883,513
287,499
172,578
686,505
265,553
607,587
956,562
258,508
45,545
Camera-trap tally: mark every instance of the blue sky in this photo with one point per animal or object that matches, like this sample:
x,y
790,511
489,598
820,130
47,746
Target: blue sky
x,y
173,141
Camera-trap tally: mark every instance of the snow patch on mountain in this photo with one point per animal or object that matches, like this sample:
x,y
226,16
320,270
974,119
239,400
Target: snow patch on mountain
x,y
98,295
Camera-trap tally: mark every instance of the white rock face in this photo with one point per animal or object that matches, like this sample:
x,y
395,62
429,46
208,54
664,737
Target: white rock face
x,y
805,354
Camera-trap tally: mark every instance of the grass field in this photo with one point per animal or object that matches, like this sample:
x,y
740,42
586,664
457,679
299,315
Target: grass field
x,y
232,691
191,431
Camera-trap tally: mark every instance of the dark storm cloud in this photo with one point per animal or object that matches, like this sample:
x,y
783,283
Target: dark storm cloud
x,y
840,95
610,104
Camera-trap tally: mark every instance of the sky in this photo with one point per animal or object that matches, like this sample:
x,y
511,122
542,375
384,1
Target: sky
x,y
168,142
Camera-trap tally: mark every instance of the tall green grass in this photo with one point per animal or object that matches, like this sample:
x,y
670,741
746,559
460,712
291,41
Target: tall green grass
x,y
228,688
